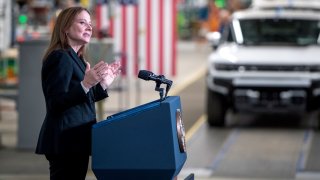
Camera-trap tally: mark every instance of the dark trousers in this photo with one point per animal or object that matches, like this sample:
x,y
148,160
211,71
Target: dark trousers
x,y
66,167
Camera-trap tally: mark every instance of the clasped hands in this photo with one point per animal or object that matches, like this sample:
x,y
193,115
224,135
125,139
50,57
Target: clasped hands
x,y
102,73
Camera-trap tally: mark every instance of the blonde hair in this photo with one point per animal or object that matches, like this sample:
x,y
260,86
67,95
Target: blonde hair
x,y
59,38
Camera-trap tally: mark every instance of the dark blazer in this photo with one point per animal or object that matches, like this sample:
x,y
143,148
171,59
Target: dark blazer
x,y
70,111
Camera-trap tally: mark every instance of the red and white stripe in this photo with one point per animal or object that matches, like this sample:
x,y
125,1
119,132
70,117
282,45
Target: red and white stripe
x,y
145,34
125,36
102,17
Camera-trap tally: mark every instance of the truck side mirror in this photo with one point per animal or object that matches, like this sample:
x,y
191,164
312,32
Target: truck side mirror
x,y
214,39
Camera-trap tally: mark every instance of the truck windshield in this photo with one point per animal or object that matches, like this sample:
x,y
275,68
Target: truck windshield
x,y
278,31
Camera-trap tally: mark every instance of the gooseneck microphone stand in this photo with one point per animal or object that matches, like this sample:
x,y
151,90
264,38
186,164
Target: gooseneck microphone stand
x,y
159,79
161,90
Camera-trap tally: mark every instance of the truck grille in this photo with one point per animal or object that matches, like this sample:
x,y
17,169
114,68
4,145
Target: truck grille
x,y
246,67
274,68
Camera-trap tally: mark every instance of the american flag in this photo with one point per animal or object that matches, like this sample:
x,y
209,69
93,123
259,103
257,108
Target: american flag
x,y
144,33
102,16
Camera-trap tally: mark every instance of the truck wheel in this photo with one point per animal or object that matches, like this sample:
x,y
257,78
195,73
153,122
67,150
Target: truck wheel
x,y
216,109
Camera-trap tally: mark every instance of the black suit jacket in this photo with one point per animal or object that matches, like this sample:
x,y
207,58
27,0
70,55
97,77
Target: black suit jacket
x,y
70,111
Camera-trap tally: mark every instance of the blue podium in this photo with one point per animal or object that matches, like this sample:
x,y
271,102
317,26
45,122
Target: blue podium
x,y
146,143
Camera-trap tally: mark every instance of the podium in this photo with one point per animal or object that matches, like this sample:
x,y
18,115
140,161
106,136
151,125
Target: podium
x,y
146,143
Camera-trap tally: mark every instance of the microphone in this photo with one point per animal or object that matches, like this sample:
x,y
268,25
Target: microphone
x,y
147,75
159,79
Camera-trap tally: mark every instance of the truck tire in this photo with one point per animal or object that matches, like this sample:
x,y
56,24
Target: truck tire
x,y
216,109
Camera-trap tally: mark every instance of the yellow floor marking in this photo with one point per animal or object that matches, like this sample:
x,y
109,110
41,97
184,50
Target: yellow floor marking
x,y
195,127
189,80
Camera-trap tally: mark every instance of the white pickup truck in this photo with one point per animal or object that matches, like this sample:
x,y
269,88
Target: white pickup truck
x,y
265,61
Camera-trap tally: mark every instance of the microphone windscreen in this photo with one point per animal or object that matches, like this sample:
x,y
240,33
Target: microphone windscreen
x,y
144,74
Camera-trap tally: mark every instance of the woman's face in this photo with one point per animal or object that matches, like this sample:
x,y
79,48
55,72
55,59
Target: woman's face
x,y
81,30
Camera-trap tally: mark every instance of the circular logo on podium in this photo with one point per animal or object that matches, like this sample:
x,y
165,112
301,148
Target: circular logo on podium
x,y
180,131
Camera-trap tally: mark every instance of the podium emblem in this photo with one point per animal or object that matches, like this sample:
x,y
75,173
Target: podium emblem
x,y
180,131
